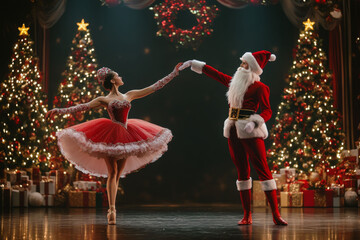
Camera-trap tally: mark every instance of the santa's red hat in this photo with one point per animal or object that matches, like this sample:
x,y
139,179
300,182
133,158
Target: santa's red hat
x,y
258,60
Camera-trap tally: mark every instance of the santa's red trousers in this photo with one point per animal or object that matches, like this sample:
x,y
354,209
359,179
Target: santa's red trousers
x,y
242,149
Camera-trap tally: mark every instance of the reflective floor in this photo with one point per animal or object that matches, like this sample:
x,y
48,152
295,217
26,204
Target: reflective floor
x,y
179,222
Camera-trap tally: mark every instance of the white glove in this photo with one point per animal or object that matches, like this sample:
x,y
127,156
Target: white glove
x,y
249,127
185,65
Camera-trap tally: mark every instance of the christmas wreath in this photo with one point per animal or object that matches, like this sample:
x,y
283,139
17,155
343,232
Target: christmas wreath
x,y
166,12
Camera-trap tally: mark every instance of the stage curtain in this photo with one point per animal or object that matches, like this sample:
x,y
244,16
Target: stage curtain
x,y
297,12
48,12
233,3
138,4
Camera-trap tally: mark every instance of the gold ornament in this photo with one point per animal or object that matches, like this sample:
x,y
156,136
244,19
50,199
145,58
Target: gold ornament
x,y
308,24
82,25
23,30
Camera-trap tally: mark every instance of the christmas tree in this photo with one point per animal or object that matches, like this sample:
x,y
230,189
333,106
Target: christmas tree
x,y
23,107
78,85
307,134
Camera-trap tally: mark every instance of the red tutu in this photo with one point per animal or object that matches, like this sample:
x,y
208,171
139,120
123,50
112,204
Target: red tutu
x,y
86,145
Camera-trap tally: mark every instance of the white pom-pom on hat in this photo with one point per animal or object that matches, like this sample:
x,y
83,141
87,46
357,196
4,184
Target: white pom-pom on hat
x,y
272,57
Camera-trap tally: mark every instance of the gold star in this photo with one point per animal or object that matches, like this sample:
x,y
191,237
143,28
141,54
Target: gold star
x,y
308,24
23,30
82,25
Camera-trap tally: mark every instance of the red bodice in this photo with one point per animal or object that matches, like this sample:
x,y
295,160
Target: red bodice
x,y
118,110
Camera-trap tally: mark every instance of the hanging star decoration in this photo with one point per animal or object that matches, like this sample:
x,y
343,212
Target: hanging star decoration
x,y
23,30
309,25
82,25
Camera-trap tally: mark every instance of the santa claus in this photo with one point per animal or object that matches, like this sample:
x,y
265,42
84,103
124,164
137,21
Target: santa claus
x,y
244,129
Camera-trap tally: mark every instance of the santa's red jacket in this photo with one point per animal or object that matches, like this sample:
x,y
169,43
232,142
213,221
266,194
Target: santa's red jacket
x,y
257,95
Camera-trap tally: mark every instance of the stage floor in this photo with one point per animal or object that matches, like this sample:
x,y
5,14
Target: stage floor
x,y
179,222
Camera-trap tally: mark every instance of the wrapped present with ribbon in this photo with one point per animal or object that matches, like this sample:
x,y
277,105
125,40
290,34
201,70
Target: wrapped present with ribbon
x,y
290,174
48,200
350,180
258,195
309,198
19,197
291,199
279,180
47,187
82,198
5,197
338,195
62,178
13,176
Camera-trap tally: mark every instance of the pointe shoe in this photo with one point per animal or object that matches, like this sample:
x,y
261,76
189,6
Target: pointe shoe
x,y
247,220
111,216
279,221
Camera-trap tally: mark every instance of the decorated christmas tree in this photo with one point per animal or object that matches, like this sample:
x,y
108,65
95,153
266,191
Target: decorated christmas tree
x,y
307,133
78,85
23,107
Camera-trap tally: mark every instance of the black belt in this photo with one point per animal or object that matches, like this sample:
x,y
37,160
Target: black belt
x,y
238,113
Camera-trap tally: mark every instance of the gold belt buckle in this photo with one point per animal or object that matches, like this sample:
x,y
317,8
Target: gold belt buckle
x,y
234,113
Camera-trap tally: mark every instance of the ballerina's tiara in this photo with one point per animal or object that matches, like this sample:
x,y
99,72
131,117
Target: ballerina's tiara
x,y
101,73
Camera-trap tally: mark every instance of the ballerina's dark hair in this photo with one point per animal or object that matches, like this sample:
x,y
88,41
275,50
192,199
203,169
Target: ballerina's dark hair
x,y
107,82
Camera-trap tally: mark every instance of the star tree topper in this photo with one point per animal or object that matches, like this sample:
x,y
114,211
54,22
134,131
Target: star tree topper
x,y
308,24
82,25
23,30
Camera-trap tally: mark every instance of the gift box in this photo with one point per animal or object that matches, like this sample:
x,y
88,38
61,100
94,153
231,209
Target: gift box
x,y
309,198
5,197
47,187
291,199
85,185
338,195
279,180
48,200
19,197
14,176
289,173
258,195
82,199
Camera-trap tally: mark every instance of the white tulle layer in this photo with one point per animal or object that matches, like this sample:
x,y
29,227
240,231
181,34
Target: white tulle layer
x,y
89,157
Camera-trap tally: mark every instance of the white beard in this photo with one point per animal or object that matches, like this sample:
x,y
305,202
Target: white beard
x,y
239,84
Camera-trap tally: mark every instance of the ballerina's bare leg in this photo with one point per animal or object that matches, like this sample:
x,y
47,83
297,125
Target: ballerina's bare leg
x,y
115,168
120,168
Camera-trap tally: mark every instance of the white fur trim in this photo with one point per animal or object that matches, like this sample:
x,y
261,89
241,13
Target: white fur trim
x,y
272,57
251,60
197,66
244,185
227,125
268,185
257,119
259,132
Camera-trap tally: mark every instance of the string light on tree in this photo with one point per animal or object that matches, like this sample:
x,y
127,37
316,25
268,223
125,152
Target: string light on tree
x,y
78,85
23,107
308,132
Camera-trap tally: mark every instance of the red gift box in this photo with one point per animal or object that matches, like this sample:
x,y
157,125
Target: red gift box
x,y
309,198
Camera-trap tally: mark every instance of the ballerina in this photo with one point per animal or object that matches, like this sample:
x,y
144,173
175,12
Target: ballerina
x,y
117,146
